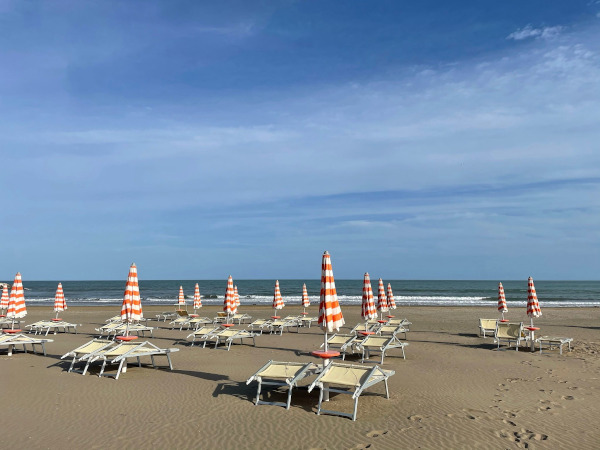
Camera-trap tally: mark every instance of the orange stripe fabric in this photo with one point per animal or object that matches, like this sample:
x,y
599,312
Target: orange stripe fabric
x,y
277,299
132,304
16,301
501,299
60,303
330,313
533,306
382,304
4,299
305,299
181,297
197,298
236,299
390,297
368,304
229,302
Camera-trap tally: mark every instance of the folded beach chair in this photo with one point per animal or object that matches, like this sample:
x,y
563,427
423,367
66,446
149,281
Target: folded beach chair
x,y
228,335
260,324
355,379
128,350
487,326
221,317
203,334
85,353
10,341
371,325
241,318
551,341
343,342
510,332
381,344
275,373
393,330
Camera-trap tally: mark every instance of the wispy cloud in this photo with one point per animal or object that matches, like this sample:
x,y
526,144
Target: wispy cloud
x,y
530,32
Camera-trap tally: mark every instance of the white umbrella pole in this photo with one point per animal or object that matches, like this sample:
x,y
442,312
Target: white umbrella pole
x,y
325,340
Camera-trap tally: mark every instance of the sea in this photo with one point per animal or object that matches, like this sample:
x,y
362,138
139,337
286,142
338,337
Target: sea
x,y
260,292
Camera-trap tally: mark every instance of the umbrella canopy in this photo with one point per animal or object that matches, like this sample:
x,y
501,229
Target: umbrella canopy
x,y
390,297
181,297
382,304
229,302
368,304
197,298
277,299
533,306
305,299
131,308
236,297
330,314
60,303
4,299
501,300
16,301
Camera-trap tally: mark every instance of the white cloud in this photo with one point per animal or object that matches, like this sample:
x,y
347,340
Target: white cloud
x,y
530,32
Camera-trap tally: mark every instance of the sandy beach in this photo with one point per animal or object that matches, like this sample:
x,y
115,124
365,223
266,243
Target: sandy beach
x,y
454,390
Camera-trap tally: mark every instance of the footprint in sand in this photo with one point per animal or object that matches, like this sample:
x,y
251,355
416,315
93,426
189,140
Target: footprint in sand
x,y
417,418
509,422
377,433
361,446
568,397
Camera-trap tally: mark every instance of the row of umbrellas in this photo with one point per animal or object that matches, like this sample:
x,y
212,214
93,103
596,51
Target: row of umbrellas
x,y
533,305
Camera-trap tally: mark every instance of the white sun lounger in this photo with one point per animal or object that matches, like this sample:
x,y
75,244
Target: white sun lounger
x,y
278,325
228,335
371,325
381,344
164,316
393,330
487,326
510,332
10,341
85,353
355,379
7,323
241,318
260,324
50,325
275,373
195,322
127,350
343,342
551,341
306,321
203,334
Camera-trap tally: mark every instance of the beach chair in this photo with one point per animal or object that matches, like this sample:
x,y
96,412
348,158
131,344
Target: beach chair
x,y
371,325
164,316
50,325
487,326
221,317
134,328
275,373
551,341
343,342
228,335
354,380
10,341
128,350
510,332
114,319
306,321
381,344
180,322
393,330
241,318
260,324
108,329
278,325
7,323
85,352
195,322
203,334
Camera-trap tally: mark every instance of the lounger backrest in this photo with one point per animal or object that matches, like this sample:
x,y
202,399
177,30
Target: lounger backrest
x,y
487,324
509,330
378,341
354,376
339,339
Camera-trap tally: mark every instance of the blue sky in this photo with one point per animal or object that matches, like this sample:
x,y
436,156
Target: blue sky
x,y
412,140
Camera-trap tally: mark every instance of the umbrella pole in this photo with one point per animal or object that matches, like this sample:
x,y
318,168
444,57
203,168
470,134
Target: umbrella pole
x,y
325,347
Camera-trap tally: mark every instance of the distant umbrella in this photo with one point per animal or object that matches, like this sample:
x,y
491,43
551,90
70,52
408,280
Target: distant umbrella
x,y
60,303
277,299
305,299
382,304
197,298
330,313
501,300
181,299
368,311
236,296
4,299
131,309
390,297
229,301
16,301
533,306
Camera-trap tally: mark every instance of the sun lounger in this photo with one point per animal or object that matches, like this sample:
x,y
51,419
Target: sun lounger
x,y
203,334
85,352
108,329
371,325
510,332
260,324
551,341
393,330
221,317
128,350
114,319
180,322
50,325
278,325
487,326
404,322
355,379
134,328
164,316
241,318
275,373
381,344
7,323
343,342
307,321
228,335
10,341
196,322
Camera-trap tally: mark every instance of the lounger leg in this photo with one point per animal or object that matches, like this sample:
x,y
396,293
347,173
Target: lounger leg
x,y
72,364
403,354
152,358
382,355
258,392
169,360
122,368
139,362
289,399
44,348
10,350
102,369
355,409
320,399
387,391
87,364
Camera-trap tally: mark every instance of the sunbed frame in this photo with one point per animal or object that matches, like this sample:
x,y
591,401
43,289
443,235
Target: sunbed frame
x,y
381,344
10,341
86,352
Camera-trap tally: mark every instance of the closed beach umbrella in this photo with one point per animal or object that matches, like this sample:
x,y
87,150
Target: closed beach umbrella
x,y
501,300
197,298
4,299
181,299
305,299
229,302
533,306
382,304
236,296
277,299
368,311
330,314
16,301
390,297
59,300
131,309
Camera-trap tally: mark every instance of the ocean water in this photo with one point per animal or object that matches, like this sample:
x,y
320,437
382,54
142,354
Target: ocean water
x,y
253,292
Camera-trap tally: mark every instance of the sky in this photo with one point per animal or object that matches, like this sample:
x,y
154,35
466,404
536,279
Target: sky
x,y
410,139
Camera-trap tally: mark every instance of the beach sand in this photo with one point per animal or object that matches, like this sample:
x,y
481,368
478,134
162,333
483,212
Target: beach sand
x,y
454,390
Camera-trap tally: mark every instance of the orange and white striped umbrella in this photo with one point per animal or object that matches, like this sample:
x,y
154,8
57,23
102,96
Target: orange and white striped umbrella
x,y
60,303
229,302
131,308
533,306
236,296
390,297
305,299
368,304
16,301
382,304
330,313
181,297
4,298
277,299
501,300
197,298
